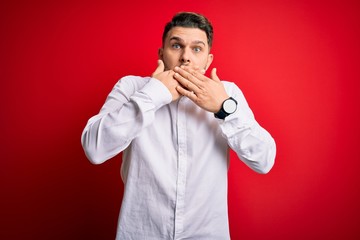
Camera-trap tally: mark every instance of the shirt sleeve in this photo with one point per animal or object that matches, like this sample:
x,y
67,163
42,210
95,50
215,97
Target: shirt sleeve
x,y
129,108
251,142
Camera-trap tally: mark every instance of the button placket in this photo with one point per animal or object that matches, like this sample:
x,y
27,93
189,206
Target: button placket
x,y
181,170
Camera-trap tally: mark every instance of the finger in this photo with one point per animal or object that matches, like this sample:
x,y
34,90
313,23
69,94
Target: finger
x,y
187,83
186,93
185,76
193,70
213,75
160,68
197,72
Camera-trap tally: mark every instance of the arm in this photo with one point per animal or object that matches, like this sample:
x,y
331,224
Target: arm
x,y
252,143
128,109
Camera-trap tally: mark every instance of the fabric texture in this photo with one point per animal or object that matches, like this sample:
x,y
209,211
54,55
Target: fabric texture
x,y
175,158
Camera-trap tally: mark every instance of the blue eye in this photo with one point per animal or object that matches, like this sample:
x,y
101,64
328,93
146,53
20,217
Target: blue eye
x,y
197,49
176,46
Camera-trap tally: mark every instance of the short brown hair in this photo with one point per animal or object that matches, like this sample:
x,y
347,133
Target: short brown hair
x,y
190,20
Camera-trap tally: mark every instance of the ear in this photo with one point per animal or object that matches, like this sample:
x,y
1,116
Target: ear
x,y
210,58
160,53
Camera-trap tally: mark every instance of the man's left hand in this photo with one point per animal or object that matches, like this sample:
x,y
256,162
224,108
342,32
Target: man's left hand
x,y
207,93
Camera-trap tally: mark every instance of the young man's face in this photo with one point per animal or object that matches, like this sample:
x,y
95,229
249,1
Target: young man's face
x,y
186,46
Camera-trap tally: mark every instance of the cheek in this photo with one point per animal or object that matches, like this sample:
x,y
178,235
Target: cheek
x,y
202,62
170,59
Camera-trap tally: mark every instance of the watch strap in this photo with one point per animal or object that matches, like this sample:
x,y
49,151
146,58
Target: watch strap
x,y
222,114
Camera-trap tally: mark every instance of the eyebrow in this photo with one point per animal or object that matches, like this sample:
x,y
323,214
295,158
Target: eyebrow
x,y
181,40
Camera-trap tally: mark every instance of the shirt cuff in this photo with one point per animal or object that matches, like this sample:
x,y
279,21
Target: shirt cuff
x,y
158,92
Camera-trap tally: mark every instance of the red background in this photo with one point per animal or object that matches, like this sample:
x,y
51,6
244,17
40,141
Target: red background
x,y
296,61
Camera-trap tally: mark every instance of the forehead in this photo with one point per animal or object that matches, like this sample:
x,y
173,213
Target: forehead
x,y
188,35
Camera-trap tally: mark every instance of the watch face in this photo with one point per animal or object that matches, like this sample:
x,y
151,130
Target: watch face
x,y
229,106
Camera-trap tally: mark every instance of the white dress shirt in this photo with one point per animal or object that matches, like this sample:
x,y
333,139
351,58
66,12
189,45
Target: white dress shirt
x,y
175,158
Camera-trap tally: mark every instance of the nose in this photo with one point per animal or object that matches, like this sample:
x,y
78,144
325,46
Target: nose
x,y
185,57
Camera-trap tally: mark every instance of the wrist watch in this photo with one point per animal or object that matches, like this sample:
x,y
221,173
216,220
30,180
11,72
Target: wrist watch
x,y
228,107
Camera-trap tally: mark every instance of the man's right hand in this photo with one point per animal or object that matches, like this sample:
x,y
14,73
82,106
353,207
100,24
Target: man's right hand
x,y
167,78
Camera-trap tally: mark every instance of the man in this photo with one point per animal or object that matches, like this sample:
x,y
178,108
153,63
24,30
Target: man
x,y
175,129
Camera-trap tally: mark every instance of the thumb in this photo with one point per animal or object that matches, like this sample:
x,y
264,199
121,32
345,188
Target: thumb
x,y
213,75
160,68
